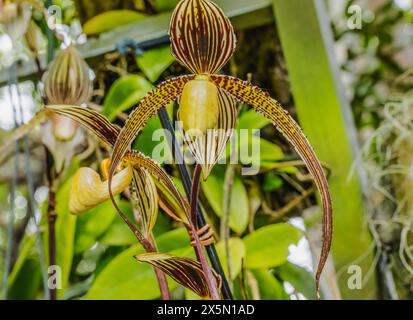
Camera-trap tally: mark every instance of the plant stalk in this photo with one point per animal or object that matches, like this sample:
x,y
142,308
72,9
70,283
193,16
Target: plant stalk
x,y
149,248
212,284
51,218
186,179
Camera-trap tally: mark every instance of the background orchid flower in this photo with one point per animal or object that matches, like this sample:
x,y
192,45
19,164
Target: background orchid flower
x,y
203,40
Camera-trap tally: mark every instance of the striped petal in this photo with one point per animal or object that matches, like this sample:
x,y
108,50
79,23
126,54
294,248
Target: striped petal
x,y
202,37
92,120
209,147
145,199
165,184
185,271
164,94
272,110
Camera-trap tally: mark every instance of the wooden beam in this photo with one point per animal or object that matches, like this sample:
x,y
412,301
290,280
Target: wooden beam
x,y
326,117
243,13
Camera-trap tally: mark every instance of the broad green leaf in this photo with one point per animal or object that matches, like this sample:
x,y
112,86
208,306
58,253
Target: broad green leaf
x,y
124,93
25,251
123,278
239,210
26,284
252,120
268,152
270,288
110,20
153,136
118,233
306,37
65,229
267,247
92,224
155,61
302,280
237,253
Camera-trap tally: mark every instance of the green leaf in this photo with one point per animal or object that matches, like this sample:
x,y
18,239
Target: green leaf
x,y
151,137
272,182
65,233
25,278
26,284
306,37
118,233
165,5
123,278
155,61
25,251
124,93
270,288
302,280
92,224
269,152
237,253
110,20
252,120
239,210
267,247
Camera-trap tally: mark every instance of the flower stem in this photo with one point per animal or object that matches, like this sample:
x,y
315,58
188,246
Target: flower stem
x,y
149,247
186,179
212,284
51,218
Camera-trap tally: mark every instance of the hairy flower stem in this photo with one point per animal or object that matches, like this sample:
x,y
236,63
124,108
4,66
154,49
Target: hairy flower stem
x,y
186,179
149,247
160,276
212,284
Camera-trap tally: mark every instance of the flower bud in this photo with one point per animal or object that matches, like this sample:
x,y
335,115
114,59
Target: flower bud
x,y
34,39
67,81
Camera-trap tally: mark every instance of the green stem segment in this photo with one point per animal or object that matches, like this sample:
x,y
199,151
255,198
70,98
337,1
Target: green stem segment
x,y
149,247
212,284
186,179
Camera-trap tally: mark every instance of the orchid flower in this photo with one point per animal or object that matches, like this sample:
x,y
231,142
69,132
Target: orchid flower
x,y
203,40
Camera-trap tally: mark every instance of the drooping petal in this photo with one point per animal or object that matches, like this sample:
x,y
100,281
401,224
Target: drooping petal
x,y
145,198
171,205
272,110
208,148
92,120
164,94
165,185
202,37
185,271
88,190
